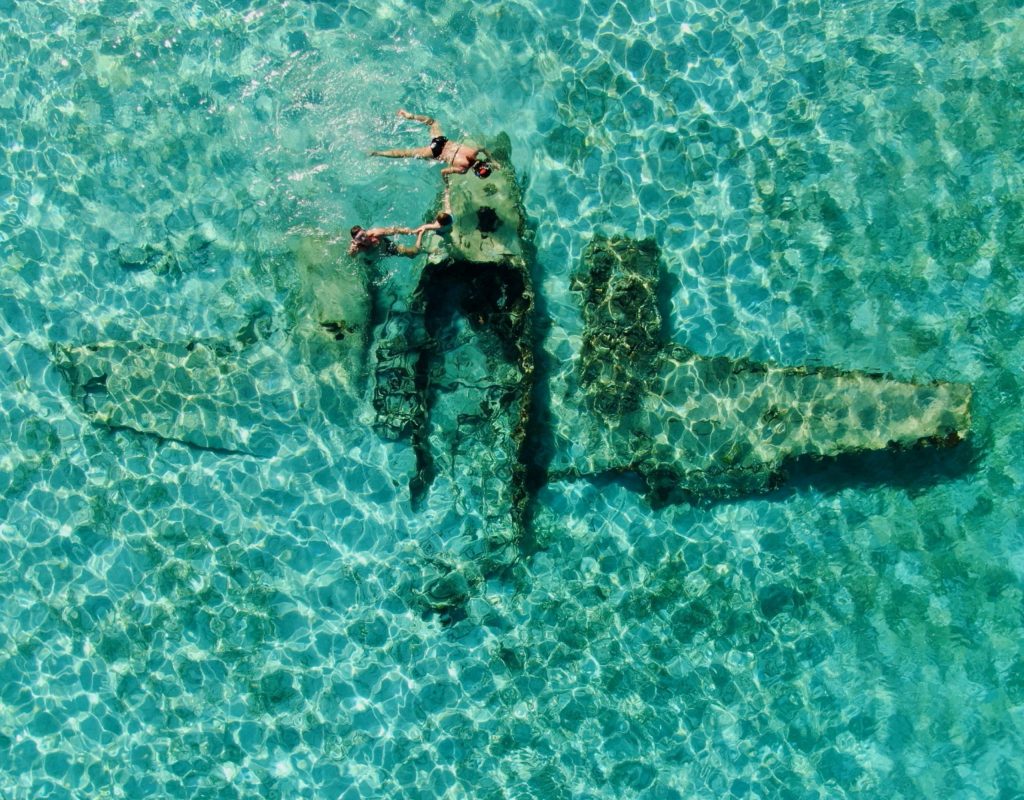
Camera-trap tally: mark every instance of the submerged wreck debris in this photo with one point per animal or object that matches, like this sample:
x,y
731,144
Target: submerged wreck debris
x,y
191,248
139,257
713,426
200,393
454,373
239,394
330,313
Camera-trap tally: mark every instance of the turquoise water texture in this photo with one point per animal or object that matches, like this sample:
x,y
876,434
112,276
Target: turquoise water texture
x,y
830,182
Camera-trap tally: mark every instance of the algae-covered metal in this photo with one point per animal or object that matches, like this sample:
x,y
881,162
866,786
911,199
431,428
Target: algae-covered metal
x,y
241,393
713,426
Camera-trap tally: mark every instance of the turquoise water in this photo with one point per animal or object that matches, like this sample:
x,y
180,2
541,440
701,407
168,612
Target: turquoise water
x,y
830,183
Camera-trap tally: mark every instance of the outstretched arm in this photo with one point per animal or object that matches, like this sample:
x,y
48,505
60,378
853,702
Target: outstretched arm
x,y
408,152
389,231
427,226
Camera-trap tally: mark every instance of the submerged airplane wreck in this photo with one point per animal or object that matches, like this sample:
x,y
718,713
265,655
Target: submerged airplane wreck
x,y
452,366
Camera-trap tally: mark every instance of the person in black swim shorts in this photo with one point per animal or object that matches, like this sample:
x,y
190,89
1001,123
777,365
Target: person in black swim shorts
x,y
376,241
460,157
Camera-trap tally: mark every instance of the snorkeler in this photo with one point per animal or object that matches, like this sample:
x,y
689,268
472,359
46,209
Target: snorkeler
x,y
370,240
460,157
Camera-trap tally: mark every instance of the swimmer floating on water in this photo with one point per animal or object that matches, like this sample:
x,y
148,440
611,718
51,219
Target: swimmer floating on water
x,y
460,157
375,240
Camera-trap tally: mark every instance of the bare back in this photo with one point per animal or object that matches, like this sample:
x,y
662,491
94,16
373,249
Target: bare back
x,y
459,155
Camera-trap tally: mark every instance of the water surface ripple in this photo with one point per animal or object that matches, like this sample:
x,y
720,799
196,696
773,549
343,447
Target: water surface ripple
x,y
830,183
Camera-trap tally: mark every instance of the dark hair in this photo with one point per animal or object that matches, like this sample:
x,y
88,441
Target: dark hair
x,y
481,169
444,218
355,230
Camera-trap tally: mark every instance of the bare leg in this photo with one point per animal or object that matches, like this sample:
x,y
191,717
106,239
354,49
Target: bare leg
x,y
435,126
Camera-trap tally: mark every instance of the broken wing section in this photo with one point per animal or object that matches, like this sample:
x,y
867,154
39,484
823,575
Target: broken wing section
x,y
714,426
248,393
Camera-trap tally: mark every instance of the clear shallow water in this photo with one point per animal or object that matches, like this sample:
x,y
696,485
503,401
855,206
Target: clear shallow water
x,y
830,183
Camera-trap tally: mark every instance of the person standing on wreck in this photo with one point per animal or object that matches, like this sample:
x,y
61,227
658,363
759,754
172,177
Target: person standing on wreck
x,y
460,157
